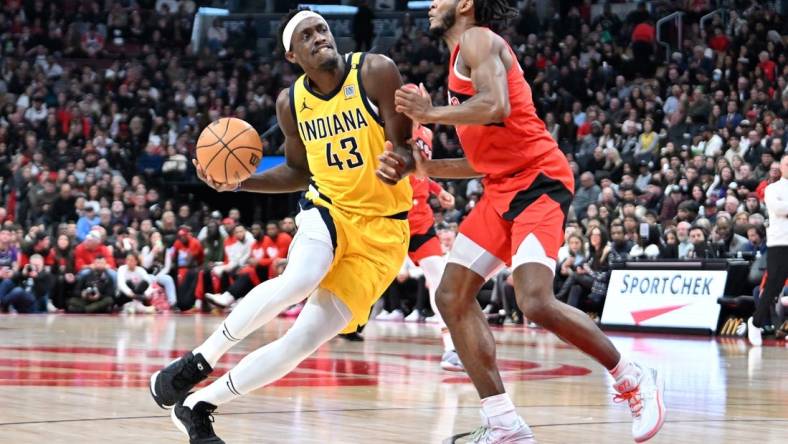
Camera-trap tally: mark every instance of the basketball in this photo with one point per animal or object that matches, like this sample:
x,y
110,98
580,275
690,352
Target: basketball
x,y
228,150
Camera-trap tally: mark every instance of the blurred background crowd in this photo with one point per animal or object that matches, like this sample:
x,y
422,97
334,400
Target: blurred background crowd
x,y
101,103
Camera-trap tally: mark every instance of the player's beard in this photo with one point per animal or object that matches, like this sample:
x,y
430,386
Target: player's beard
x,y
330,63
447,21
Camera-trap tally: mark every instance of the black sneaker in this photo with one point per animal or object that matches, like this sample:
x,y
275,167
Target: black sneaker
x,y
196,422
173,383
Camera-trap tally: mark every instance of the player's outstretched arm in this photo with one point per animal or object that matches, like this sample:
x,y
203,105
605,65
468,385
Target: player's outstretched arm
x,y
481,52
381,79
289,177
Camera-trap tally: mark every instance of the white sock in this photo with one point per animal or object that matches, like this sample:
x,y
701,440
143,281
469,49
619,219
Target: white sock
x,y
323,317
625,374
499,410
309,261
433,272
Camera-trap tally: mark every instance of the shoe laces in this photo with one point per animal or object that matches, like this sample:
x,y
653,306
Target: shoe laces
x,y
481,435
634,399
202,418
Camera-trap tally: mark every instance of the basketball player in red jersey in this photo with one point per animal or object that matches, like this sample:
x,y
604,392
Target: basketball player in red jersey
x,y
425,247
519,220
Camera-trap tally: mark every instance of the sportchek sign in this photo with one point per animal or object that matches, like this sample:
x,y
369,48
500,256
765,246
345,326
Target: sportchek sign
x,y
664,298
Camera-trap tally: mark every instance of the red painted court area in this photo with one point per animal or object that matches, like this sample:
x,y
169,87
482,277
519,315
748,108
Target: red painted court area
x,y
110,367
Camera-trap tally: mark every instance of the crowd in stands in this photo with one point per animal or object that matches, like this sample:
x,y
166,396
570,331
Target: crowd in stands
x,y
101,102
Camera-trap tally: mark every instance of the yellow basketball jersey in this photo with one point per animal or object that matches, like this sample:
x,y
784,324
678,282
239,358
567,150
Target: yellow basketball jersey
x,y
343,135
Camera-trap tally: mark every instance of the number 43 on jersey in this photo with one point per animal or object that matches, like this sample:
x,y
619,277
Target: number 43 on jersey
x,y
348,145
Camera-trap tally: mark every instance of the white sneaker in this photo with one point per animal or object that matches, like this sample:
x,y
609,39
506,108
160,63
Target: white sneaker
x,y
645,399
519,433
223,300
435,319
414,316
396,315
451,362
383,315
51,307
754,334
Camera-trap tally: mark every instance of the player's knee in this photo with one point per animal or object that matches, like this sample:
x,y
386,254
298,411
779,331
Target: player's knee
x,y
536,302
301,283
445,300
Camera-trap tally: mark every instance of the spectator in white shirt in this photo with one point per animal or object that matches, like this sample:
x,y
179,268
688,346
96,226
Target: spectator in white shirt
x,y
134,285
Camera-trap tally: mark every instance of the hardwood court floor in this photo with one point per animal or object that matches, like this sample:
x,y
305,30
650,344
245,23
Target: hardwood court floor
x,y
83,379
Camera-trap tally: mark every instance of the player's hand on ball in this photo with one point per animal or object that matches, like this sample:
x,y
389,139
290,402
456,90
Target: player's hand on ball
x,y
446,199
220,187
413,101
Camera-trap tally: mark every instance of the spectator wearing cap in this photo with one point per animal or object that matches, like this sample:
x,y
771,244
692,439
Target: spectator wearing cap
x,y
671,204
86,222
38,112
687,211
709,143
752,204
216,218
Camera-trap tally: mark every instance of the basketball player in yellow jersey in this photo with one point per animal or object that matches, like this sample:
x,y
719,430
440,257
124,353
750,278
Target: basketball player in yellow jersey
x,y
352,229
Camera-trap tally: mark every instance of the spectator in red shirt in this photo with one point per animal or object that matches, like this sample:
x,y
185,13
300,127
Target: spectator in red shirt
x,y
719,41
774,176
39,245
281,239
86,252
769,68
259,266
188,256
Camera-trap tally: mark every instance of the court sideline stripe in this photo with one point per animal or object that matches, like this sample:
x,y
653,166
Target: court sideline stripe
x,y
279,412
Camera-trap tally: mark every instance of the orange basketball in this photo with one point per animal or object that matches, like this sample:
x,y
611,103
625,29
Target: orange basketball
x,y
228,150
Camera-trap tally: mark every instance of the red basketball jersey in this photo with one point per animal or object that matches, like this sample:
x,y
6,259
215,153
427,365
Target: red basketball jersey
x,y
521,142
420,216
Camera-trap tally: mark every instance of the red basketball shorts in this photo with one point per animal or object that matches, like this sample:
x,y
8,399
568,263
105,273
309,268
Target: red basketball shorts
x,y
518,220
424,245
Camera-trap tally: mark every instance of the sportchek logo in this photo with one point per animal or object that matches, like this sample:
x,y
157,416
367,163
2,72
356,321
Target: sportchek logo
x,y
675,285
640,316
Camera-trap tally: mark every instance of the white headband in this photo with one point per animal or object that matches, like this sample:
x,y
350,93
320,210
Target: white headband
x,y
291,26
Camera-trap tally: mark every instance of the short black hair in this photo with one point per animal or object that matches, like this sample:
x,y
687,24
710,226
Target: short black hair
x,y
487,12
287,19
